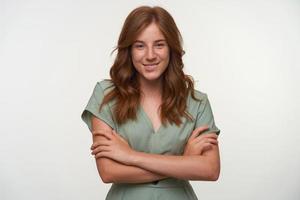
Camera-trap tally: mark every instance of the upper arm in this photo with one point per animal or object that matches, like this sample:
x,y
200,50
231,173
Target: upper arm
x,y
92,109
205,117
212,156
96,118
98,124
102,163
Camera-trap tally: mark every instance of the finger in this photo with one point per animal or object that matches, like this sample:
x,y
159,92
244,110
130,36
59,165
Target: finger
x,y
100,142
211,135
206,140
194,134
198,130
201,128
102,131
100,138
212,141
100,149
203,137
202,145
206,147
208,135
107,134
101,154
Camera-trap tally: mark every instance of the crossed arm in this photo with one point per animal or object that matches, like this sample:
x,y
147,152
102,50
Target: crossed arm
x,y
145,167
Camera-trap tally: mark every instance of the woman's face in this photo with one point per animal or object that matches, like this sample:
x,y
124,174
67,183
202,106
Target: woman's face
x,y
150,53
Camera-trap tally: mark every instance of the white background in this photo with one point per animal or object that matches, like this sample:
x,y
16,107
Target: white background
x,y
243,54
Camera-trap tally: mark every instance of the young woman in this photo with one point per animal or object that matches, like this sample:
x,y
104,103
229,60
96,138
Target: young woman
x,y
152,131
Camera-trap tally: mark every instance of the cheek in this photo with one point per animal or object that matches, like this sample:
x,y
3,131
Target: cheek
x,y
165,55
166,58
136,56
136,61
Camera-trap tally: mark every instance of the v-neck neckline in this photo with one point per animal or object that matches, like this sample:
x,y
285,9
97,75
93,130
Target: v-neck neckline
x,y
148,120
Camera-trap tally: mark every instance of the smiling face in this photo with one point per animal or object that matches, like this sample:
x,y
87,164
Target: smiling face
x,y
150,53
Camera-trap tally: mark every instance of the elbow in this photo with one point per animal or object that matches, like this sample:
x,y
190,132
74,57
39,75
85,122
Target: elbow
x,y
105,179
105,176
106,170
209,173
214,174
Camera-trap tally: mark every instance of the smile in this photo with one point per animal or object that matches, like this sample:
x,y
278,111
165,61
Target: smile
x,y
152,64
150,67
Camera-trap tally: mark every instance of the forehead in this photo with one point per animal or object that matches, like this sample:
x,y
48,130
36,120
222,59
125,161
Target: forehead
x,y
151,33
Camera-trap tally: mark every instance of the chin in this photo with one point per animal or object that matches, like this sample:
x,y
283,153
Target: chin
x,y
151,78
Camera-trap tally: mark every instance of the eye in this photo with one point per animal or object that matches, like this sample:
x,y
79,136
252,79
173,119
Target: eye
x,y
160,45
139,46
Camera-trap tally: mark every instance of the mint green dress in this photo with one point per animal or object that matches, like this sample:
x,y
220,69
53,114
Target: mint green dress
x,y
167,140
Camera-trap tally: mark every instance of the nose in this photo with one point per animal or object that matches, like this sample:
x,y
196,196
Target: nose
x,y
150,54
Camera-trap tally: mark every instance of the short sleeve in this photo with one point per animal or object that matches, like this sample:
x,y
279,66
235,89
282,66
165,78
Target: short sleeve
x,y
92,108
205,117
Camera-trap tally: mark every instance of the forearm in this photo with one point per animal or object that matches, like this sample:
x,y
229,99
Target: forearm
x,y
115,172
196,167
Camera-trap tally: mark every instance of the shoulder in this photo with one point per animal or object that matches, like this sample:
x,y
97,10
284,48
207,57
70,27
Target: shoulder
x,y
104,85
201,97
193,105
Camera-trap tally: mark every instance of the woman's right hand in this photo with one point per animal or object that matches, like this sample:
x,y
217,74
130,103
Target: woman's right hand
x,y
198,143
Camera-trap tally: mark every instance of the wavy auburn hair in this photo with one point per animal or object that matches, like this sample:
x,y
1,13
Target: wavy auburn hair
x,y
176,85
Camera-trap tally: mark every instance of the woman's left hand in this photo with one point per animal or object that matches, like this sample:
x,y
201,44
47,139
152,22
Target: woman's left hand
x,y
114,147
199,143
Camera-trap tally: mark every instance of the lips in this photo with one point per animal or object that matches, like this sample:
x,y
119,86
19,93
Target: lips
x,y
150,67
151,64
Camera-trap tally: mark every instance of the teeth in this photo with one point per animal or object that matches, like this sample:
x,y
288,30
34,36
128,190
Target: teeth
x,y
150,67
151,64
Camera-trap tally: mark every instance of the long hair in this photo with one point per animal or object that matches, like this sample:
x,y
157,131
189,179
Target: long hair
x,y
176,85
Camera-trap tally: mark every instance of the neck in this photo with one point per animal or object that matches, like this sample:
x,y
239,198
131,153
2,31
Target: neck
x,y
151,88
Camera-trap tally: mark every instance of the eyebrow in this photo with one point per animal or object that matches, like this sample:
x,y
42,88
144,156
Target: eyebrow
x,y
160,40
